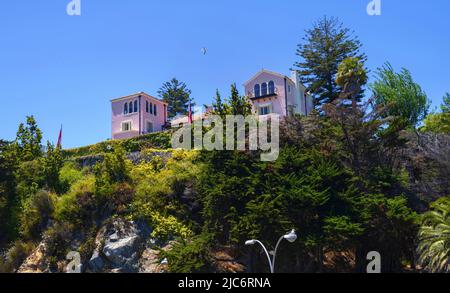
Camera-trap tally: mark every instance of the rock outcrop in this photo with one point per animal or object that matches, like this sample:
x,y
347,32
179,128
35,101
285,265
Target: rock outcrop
x,y
150,262
119,245
37,261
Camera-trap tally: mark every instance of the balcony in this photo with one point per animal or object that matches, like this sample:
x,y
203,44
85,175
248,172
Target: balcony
x,y
251,95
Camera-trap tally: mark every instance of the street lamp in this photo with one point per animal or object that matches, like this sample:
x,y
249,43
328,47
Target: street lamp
x,y
291,237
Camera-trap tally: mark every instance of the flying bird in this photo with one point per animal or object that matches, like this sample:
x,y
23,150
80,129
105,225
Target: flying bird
x,y
204,50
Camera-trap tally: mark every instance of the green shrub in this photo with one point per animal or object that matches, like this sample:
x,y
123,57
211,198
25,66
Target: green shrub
x,y
159,192
79,204
69,175
58,238
190,256
159,140
15,256
114,168
30,177
52,164
37,211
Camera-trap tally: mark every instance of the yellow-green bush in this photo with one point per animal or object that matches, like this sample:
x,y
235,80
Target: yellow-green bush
x,y
69,174
158,190
165,227
77,202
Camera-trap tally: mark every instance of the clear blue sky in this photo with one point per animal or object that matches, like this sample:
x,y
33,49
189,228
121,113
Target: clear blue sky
x,y
64,70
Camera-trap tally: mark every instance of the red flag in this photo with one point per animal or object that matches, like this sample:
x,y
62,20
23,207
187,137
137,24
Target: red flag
x,y
59,138
191,119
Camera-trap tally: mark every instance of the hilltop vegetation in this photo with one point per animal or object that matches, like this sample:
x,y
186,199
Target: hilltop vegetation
x,y
357,175
339,204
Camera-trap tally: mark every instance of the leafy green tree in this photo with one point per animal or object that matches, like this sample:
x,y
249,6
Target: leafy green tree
x,y
177,96
434,237
403,97
8,167
234,105
28,140
351,77
238,105
218,105
53,163
439,122
325,46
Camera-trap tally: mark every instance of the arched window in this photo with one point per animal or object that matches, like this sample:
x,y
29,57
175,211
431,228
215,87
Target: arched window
x,y
271,87
151,108
135,106
154,109
125,109
130,107
264,89
257,90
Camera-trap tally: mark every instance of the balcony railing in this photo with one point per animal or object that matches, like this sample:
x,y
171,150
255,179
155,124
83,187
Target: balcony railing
x,y
252,96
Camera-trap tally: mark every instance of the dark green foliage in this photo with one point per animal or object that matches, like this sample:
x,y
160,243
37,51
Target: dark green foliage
x,y
52,164
8,166
312,188
177,95
238,105
234,105
218,105
28,140
191,256
325,46
37,211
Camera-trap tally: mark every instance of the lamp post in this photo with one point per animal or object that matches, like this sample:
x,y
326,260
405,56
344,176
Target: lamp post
x,y
291,237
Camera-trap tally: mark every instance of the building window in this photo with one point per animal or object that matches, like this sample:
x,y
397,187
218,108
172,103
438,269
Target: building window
x,y
149,127
151,108
130,107
257,90
264,89
146,106
135,106
271,88
126,126
154,109
264,110
125,109
289,88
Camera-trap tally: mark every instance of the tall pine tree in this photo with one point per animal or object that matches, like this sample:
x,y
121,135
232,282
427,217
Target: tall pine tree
x,y
177,96
325,46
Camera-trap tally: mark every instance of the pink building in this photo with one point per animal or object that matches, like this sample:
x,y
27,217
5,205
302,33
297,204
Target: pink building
x,y
136,115
274,93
